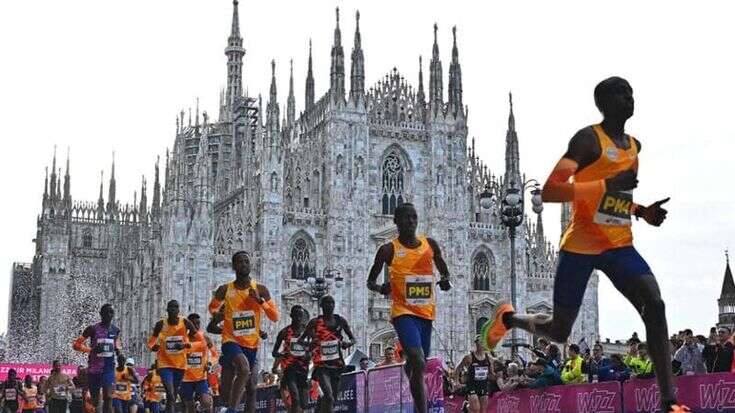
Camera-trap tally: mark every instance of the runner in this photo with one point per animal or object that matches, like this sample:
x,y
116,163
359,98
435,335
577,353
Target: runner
x,y
28,395
478,369
169,340
245,300
294,361
411,290
104,343
58,387
195,377
124,378
10,392
151,395
135,397
80,391
602,162
324,333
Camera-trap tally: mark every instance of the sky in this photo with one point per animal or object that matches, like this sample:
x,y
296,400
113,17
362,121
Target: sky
x,y
102,76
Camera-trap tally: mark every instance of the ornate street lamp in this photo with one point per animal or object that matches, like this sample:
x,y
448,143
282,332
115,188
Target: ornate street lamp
x,y
319,284
511,215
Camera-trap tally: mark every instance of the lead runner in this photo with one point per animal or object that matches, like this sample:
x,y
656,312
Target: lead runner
x,y
598,174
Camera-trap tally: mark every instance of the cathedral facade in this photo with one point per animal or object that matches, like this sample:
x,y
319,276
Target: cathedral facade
x,y
310,195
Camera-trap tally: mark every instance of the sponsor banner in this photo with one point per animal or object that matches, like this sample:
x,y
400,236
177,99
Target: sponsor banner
x,y
36,370
384,389
351,396
706,393
453,404
582,398
434,388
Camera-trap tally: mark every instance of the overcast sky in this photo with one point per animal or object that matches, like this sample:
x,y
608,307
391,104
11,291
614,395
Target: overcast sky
x,y
98,76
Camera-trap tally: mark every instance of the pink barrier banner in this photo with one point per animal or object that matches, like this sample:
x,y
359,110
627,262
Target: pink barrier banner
x,y
453,404
582,398
388,389
705,393
37,370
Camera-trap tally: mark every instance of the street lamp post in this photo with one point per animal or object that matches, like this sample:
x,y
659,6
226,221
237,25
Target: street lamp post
x,y
511,215
319,285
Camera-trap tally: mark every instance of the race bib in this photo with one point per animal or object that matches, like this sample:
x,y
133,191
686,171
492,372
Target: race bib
x,y
160,388
30,399
330,350
121,387
243,323
174,344
481,373
419,289
296,349
60,391
107,347
194,360
11,395
77,394
614,209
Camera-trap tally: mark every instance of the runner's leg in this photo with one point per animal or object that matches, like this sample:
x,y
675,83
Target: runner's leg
x,y
474,402
327,400
631,275
242,375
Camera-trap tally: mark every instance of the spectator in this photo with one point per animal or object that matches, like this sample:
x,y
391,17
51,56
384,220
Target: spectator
x,y
511,378
388,357
634,339
718,351
553,356
594,363
616,370
544,373
690,355
364,363
572,371
638,362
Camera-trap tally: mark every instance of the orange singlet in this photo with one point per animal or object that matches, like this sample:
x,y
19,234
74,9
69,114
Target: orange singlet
x,y
123,390
412,280
196,360
242,317
601,221
150,393
29,397
168,338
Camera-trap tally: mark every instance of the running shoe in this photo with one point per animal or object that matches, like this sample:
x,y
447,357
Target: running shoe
x,y
679,408
494,330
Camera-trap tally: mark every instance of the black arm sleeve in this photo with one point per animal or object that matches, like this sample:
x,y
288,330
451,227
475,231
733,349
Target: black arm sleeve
x,y
584,148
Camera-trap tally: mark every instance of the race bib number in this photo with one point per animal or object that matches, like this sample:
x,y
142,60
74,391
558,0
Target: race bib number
x,y
330,350
121,387
60,391
614,209
296,349
419,289
194,360
30,399
174,344
160,388
107,347
481,373
243,323
77,394
10,394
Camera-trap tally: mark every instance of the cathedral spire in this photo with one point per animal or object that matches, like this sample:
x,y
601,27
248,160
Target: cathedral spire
x,y
234,52
111,201
512,159
455,79
357,75
420,97
143,206
309,84
156,205
436,88
728,285
101,200
67,182
337,71
291,102
52,191
273,115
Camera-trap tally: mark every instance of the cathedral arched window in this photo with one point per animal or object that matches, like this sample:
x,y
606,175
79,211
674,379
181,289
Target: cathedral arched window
x,y
393,183
314,196
483,271
274,181
87,238
302,259
478,325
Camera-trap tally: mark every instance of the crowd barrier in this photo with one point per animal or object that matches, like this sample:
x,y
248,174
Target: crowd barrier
x,y
36,370
386,390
